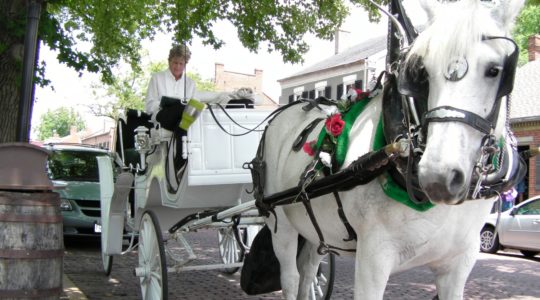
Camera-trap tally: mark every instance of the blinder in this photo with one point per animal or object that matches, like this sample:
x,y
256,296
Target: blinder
x,y
508,75
413,79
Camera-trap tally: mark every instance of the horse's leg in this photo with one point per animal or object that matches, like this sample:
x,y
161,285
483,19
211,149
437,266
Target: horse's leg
x,y
285,244
308,264
374,262
452,274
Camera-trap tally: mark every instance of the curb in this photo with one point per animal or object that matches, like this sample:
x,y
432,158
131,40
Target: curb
x,y
71,292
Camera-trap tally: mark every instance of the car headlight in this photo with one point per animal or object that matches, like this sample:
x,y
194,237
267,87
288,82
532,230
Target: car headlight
x,y
65,204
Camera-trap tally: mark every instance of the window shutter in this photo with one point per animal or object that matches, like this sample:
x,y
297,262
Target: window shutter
x,y
339,91
328,92
305,95
291,98
358,84
312,94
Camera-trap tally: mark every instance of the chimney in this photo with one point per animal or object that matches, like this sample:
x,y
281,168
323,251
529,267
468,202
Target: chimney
x,y
258,80
534,47
218,76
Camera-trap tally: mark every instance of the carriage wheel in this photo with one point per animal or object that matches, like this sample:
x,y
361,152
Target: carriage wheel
x,y
321,288
230,249
107,261
152,270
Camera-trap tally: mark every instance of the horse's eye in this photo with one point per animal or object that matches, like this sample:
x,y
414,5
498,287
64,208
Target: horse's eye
x,y
493,71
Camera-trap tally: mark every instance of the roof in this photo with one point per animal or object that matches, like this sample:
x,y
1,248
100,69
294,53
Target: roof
x,y
526,94
350,55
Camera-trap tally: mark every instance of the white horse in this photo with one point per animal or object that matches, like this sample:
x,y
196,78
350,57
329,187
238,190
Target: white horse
x,y
392,237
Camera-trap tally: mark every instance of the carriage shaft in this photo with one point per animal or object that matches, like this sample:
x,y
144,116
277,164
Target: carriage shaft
x,y
228,213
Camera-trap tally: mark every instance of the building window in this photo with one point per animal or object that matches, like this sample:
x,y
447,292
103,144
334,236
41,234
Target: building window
x,y
298,92
348,83
320,88
339,91
312,94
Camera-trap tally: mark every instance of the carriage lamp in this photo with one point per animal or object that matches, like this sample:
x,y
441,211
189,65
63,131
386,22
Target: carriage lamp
x,y
142,144
191,112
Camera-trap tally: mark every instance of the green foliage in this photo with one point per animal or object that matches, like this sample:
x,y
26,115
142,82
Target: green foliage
x,y
202,84
59,121
95,35
527,24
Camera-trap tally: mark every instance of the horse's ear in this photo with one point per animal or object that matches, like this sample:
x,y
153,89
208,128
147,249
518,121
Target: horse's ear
x,y
506,11
430,7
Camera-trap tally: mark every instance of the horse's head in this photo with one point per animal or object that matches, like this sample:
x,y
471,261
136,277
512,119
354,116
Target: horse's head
x,y
463,65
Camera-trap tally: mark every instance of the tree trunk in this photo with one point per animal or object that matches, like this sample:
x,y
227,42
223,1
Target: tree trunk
x,y
12,19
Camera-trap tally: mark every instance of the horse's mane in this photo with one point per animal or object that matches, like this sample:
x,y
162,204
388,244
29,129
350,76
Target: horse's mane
x,y
451,32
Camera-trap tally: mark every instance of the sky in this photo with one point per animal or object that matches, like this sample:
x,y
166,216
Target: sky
x,y
76,91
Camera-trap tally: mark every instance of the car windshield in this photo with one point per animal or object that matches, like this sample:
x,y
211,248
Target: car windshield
x,y
73,166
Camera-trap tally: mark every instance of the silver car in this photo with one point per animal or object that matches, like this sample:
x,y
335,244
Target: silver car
x,y
519,228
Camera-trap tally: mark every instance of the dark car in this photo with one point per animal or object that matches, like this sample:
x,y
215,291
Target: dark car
x,y
74,170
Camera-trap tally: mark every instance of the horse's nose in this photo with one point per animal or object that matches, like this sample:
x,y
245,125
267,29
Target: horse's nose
x,y
447,187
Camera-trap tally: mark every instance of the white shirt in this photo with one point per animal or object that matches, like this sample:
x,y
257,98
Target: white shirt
x,y
163,84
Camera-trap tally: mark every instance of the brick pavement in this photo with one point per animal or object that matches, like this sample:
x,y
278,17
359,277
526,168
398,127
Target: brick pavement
x,y
502,276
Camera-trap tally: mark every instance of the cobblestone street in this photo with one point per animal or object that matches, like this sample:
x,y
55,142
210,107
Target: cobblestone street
x,y
507,275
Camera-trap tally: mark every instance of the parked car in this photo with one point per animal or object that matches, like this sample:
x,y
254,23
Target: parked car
x,y
73,168
519,228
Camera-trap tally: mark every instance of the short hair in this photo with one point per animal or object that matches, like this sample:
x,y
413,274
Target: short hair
x,y
181,51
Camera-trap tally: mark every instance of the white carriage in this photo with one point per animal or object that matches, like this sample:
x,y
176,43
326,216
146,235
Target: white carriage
x,y
154,203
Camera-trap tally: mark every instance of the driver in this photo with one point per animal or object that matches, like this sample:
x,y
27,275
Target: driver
x,y
172,82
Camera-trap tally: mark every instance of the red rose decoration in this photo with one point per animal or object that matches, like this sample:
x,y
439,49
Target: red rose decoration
x,y
334,125
309,148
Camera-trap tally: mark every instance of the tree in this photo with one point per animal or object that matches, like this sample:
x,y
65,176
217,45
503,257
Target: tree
x,y
527,24
202,84
96,35
59,121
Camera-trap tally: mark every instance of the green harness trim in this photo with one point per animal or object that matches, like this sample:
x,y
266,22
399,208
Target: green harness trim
x,y
342,144
389,186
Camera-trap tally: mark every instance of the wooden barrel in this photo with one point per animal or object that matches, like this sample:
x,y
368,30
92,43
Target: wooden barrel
x,y
31,245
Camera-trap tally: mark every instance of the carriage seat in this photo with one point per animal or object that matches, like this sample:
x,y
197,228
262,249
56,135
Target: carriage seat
x,y
125,135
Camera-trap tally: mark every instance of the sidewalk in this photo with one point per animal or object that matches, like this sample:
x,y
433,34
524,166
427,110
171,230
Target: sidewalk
x,y
71,292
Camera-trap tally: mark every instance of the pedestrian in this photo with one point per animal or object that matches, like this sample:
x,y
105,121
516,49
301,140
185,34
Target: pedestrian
x,y
508,199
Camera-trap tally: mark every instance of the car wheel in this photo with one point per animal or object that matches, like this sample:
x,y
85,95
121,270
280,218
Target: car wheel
x,y
488,242
528,253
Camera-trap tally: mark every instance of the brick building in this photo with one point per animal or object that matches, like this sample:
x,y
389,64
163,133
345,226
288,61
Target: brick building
x,y
525,113
228,81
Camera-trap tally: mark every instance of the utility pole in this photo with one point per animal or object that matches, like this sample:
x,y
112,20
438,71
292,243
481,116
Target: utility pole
x,y
29,61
